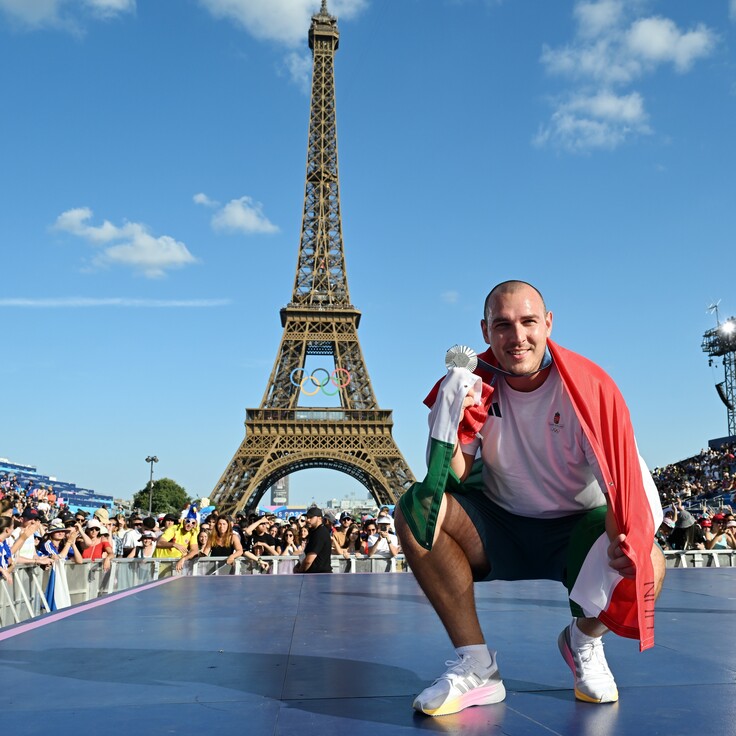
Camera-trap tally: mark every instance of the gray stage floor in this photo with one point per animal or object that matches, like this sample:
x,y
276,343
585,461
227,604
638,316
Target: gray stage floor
x,y
344,654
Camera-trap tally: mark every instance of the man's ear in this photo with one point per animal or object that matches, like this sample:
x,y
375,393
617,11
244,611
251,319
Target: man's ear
x,y
483,328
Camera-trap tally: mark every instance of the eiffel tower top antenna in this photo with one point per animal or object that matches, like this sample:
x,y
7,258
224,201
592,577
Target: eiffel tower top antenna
x,y
321,279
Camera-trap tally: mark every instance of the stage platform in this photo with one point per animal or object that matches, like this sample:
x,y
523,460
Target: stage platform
x,y
344,655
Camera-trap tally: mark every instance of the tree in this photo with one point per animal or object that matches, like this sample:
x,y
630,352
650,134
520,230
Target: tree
x,y
168,497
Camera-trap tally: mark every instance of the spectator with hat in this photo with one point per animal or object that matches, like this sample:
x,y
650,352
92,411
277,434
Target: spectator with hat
x,y
102,515
384,542
59,542
97,544
148,545
339,531
318,550
683,535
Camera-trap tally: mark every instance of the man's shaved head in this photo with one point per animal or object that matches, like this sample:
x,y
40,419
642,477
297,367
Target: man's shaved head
x,y
508,287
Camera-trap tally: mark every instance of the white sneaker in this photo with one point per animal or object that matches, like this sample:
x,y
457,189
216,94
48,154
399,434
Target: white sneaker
x,y
465,683
594,682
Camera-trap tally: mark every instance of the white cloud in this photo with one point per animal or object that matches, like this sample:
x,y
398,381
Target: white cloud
x,y
600,61
611,49
601,121
108,8
660,40
450,297
238,215
130,245
63,14
595,18
32,13
283,21
75,302
299,67
628,109
732,9
204,200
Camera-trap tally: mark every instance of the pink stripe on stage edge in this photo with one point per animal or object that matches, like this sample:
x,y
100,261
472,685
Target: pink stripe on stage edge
x,y
48,618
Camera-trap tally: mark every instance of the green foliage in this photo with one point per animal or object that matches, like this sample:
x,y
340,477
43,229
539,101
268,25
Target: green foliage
x,y
168,497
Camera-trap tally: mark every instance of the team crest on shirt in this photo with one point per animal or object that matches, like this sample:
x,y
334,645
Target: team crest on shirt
x,y
555,425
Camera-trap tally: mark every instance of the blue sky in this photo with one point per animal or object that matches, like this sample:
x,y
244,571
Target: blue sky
x,y
152,182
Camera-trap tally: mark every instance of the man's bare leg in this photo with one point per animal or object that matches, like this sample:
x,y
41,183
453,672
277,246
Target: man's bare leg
x,y
445,573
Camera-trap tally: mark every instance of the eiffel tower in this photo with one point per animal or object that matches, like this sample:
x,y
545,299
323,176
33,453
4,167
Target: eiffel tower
x,y
281,437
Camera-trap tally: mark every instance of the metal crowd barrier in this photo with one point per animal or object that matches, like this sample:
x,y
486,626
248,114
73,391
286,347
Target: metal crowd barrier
x,y
701,558
26,597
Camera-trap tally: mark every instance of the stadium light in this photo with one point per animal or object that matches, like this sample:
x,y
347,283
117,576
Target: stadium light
x,y
720,342
151,459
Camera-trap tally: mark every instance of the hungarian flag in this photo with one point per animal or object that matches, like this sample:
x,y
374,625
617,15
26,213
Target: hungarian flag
x,y
625,606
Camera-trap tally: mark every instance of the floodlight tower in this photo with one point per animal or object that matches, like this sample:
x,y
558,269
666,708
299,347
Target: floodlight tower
x,y
720,342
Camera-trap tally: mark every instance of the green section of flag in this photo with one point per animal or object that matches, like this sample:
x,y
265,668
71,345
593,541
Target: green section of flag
x,y
420,505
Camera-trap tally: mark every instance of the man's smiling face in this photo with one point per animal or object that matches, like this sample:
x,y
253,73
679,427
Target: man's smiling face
x,y
517,327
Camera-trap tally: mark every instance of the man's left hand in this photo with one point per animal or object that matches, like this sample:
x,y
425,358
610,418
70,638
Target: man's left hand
x,y
618,560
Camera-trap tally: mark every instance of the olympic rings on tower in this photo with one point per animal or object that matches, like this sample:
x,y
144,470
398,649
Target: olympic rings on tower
x,y
320,384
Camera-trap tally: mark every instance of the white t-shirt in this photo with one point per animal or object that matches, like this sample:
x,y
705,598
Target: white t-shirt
x,y
537,461
383,549
132,538
28,548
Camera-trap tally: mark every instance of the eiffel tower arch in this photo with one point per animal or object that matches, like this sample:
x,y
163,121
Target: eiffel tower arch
x,y
281,436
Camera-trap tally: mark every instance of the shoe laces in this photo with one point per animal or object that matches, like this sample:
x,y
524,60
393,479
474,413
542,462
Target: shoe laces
x,y
457,668
592,657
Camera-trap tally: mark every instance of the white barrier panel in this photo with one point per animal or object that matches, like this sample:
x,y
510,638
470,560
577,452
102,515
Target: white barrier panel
x,y
75,583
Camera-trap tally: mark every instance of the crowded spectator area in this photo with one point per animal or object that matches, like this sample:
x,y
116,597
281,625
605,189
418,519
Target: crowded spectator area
x,y
706,478
698,496
39,526
26,481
